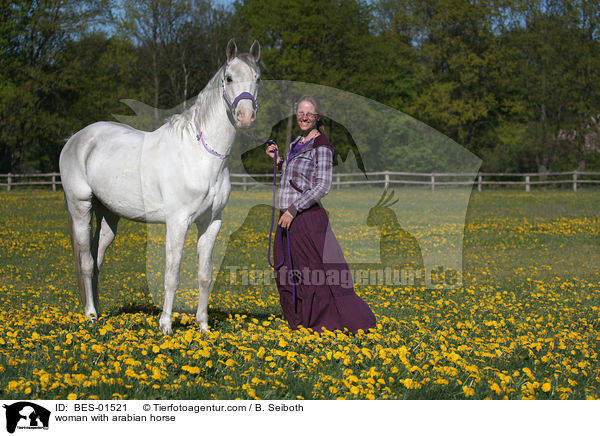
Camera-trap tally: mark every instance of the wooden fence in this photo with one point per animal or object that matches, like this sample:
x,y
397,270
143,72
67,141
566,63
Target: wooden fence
x,y
30,179
388,178
383,178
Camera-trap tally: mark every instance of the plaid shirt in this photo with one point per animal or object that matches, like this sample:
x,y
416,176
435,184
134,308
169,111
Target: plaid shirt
x,y
306,177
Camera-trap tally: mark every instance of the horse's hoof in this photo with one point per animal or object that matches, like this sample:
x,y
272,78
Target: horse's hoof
x,y
165,328
203,327
165,324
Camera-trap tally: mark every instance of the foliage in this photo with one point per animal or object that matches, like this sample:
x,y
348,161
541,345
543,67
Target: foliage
x,y
501,78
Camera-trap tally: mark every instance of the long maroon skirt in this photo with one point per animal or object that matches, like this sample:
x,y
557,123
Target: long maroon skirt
x,y
324,294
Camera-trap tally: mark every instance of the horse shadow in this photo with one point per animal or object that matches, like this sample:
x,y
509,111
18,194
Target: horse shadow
x,y
131,307
217,316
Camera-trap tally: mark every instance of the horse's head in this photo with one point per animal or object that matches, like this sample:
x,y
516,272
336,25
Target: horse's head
x,y
241,76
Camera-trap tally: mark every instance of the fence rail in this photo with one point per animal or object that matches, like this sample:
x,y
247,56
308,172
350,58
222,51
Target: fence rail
x,y
385,178
21,180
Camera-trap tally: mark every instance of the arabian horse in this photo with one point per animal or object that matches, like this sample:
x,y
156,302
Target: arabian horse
x,y
177,175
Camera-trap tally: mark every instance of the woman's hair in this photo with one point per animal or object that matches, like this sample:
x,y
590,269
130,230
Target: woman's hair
x,y
313,100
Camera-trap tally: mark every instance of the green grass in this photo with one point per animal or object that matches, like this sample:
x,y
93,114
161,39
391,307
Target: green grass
x,y
529,299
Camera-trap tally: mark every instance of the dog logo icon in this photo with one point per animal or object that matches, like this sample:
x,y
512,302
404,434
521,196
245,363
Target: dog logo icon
x,y
26,415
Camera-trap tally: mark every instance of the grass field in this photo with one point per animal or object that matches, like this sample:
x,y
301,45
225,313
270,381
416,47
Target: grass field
x,y
524,323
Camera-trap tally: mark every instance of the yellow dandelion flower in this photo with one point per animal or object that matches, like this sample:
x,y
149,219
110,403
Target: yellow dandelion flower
x,y
494,387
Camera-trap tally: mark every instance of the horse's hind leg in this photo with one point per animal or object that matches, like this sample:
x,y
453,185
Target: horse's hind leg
x,y
106,229
80,213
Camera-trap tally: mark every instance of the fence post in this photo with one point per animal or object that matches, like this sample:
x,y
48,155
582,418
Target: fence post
x,y
526,183
575,181
53,183
432,182
479,183
9,182
244,183
387,181
337,181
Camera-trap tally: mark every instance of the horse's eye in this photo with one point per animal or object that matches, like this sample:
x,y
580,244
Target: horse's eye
x,y
258,79
229,79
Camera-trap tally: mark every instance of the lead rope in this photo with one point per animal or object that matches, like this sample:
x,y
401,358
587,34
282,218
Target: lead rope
x,y
291,276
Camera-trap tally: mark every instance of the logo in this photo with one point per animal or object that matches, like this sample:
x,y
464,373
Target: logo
x,y
407,226
26,415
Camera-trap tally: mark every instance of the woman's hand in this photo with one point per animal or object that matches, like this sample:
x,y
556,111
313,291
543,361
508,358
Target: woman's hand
x,y
285,220
271,151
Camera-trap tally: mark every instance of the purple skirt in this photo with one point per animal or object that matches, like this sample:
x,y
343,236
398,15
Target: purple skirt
x,y
324,294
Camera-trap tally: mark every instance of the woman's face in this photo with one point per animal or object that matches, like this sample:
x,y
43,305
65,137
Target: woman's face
x,y
306,115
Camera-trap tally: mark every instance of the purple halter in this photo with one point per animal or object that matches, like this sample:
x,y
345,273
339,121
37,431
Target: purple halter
x,y
243,96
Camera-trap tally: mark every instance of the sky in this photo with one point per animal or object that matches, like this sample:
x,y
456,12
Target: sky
x,y
223,2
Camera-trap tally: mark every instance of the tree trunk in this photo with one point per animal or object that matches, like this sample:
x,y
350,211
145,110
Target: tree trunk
x,y
156,84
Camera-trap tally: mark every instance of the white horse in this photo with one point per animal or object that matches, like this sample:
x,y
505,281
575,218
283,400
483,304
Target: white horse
x,y
177,175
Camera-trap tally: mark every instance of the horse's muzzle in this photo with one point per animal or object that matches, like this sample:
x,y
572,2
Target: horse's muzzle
x,y
245,117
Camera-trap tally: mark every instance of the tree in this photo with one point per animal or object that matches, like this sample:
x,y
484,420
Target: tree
x,y
178,41
331,43
458,56
555,42
33,34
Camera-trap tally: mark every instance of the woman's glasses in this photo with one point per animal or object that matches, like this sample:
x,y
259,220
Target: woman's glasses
x,y
308,115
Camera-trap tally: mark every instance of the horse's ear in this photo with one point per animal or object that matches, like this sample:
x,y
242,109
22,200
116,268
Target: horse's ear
x,y
231,50
255,51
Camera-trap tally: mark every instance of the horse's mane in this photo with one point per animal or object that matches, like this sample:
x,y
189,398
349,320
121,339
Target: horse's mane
x,y
193,120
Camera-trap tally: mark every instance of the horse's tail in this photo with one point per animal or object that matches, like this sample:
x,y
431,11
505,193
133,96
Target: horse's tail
x,y
77,256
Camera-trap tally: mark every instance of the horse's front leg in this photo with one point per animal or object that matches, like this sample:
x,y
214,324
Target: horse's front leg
x,y
176,231
206,241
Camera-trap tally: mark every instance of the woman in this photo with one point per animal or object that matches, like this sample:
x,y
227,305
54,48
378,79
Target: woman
x,y
323,295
